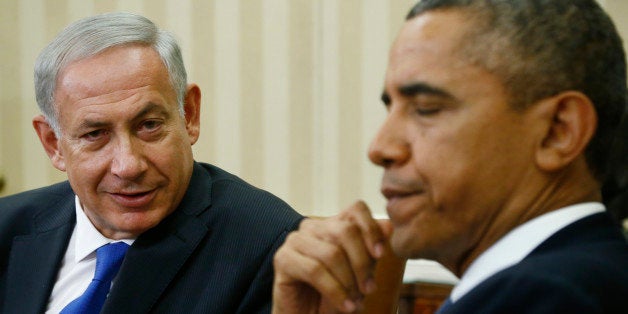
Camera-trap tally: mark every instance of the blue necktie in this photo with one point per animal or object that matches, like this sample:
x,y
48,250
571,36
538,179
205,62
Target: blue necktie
x,y
108,260
445,306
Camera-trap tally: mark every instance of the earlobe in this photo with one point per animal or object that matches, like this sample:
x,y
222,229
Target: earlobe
x,y
192,108
49,141
571,122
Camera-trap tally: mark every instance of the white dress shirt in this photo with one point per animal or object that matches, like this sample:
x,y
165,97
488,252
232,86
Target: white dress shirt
x,y
518,243
79,263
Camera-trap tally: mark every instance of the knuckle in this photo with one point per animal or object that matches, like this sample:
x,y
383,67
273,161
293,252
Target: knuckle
x,y
282,257
314,270
291,237
334,254
344,229
307,224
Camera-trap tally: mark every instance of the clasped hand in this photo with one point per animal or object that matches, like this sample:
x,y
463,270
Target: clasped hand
x,y
327,265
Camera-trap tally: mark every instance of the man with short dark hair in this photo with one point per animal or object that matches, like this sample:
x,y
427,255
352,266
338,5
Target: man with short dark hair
x,y
501,115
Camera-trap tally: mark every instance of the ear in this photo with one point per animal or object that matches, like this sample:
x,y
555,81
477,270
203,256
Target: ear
x,y
571,120
192,108
50,141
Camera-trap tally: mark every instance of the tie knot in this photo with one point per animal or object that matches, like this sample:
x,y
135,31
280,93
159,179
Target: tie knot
x,y
108,260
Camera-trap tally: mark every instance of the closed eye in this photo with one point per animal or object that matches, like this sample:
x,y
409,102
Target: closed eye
x,y
427,110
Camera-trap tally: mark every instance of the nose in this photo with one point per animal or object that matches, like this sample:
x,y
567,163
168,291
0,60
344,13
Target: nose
x,y
390,146
128,161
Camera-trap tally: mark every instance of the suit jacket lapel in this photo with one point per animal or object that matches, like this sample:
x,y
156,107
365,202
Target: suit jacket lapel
x,y
35,258
155,258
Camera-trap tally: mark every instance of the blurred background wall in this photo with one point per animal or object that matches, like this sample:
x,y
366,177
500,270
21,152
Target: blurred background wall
x,y
290,88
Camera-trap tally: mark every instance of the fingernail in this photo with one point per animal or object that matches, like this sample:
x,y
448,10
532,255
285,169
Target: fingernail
x,y
370,285
379,250
349,305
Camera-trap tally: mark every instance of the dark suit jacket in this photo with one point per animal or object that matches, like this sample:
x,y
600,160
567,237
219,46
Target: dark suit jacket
x,y
212,255
581,269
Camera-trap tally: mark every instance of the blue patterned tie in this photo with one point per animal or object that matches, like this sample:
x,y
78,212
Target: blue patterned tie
x,y
445,306
108,260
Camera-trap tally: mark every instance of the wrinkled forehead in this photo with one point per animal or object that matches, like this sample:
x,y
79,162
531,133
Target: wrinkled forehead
x,y
115,69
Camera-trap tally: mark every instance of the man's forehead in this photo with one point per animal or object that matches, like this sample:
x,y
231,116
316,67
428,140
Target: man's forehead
x,y
117,68
113,75
435,30
425,43
79,99
127,112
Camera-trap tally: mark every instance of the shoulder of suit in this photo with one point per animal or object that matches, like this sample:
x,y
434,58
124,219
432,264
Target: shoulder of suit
x,y
33,199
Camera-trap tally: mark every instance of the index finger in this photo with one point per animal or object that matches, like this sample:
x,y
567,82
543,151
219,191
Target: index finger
x,y
375,237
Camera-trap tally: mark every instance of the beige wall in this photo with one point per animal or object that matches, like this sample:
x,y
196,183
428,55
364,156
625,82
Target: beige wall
x,y
290,88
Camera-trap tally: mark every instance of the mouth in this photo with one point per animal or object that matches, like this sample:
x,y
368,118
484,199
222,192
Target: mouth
x,y
397,193
133,199
402,202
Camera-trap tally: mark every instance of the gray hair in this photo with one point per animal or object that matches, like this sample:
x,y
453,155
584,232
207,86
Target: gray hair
x,y
539,48
92,35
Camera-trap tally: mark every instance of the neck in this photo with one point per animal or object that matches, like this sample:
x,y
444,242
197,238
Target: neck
x,y
533,198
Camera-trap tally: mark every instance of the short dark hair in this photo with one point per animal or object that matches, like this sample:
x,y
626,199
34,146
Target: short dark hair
x,y
540,48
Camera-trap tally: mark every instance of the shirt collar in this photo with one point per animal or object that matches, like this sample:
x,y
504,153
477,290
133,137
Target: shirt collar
x,y
88,238
519,242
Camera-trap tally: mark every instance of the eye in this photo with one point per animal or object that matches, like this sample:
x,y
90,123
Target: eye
x,y
150,129
428,105
150,125
95,135
427,111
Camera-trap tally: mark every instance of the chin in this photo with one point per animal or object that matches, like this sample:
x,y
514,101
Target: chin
x,y
407,244
401,245
138,225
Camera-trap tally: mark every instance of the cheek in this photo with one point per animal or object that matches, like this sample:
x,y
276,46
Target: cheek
x,y
463,159
86,169
172,159
442,166
168,156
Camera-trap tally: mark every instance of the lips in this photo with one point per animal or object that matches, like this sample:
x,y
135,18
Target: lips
x,y
399,198
393,193
133,199
403,202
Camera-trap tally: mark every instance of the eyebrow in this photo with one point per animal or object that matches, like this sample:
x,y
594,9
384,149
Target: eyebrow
x,y
418,88
150,107
89,124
